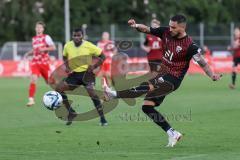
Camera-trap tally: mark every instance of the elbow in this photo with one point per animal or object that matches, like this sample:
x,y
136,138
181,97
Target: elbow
x,y
52,48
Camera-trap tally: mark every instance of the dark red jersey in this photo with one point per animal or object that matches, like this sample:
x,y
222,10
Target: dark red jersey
x,y
155,44
236,50
177,53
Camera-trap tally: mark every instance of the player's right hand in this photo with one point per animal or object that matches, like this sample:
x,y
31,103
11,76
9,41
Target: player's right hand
x,y
132,23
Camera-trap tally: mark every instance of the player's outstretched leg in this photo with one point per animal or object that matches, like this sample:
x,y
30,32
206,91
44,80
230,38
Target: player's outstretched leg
x,y
173,135
155,98
156,83
134,92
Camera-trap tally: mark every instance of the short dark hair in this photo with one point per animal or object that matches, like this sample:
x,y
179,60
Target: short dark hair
x,y
78,30
179,18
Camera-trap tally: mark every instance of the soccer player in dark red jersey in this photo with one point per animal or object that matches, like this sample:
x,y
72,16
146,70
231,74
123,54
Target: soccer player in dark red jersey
x,y
153,47
179,49
236,56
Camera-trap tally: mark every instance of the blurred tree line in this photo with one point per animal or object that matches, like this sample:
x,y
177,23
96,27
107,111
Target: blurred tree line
x,y
17,17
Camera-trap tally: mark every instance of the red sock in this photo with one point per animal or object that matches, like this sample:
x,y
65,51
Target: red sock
x,y
32,90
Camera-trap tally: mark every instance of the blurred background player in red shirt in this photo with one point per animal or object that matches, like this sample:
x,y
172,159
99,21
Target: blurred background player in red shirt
x,y
235,48
107,46
153,47
41,45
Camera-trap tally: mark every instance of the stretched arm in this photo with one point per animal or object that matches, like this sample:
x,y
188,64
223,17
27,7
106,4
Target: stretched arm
x,y
205,66
139,27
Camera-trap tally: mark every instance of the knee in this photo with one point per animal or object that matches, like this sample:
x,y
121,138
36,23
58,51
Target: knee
x,y
151,87
91,91
62,93
93,95
148,103
61,87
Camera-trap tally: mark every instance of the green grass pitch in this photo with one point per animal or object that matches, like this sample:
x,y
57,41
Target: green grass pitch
x,y
206,112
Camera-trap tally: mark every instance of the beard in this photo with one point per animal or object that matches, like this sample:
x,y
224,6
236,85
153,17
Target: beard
x,y
77,42
175,36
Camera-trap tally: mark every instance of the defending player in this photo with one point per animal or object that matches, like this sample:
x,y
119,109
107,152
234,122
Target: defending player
x,y
179,48
42,44
77,55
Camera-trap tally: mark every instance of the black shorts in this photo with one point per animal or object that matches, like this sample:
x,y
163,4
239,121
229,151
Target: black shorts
x,y
76,79
236,61
154,65
163,86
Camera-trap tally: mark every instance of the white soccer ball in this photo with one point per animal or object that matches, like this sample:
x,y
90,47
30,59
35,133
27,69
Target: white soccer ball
x,y
52,100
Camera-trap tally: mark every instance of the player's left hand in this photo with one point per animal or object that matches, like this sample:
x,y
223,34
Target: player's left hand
x,y
90,68
216,77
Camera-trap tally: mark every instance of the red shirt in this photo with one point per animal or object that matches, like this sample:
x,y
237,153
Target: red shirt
x,y
39,42
236,53
177,52
155,43
107,47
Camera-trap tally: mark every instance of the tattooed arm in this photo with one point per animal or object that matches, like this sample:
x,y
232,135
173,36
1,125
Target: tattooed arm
x,y
205,66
